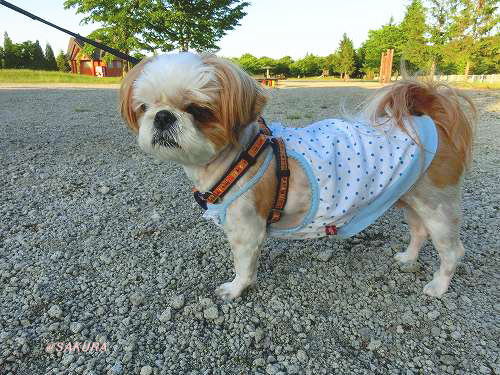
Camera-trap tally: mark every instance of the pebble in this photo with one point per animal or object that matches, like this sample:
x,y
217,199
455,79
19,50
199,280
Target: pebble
x,y
325,255
448,359
137,298
55,312
117,368
178,302
104,189
433,315
302,356
259,335
272,369
259,362
484,370
409,267
75,327
338,271
374,344
166,315
468,301
435,331
146,370
211,313
67,359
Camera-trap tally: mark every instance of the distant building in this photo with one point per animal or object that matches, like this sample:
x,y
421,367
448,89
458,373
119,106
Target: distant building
x,y
92,65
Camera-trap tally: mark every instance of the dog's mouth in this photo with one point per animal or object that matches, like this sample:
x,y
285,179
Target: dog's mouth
x,y
164,139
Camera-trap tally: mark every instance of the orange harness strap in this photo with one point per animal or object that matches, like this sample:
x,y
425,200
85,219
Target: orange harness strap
x,y
282,172
244,162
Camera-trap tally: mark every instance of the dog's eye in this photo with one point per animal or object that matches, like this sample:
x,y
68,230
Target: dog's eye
x,y
144,107
201,114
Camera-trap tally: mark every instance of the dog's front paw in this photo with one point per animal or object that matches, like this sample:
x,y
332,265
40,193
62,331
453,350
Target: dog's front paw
x,y
437,287
229,291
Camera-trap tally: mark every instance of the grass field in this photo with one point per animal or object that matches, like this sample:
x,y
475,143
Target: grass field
x,y
465,85
26,76
477,85
41,76
330,78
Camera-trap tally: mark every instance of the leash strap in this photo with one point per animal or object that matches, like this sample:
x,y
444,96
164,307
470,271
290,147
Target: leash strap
x,y
104,47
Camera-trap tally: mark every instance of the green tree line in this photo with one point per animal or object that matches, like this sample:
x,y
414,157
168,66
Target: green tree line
x,y
445,36
29,55
344,61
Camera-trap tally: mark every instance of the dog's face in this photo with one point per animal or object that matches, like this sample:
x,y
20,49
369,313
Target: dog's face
x,y
186,107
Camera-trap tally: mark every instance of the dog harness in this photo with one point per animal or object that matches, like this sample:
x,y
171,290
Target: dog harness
x,y
356,172
246,159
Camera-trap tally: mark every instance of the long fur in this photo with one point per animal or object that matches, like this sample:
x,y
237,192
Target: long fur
x,y
240,98
442,103
126,108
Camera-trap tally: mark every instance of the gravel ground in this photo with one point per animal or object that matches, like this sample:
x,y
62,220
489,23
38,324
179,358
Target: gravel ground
x,y
98,244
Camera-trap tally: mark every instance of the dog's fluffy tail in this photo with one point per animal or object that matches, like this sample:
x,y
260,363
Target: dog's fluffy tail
x,y
440,102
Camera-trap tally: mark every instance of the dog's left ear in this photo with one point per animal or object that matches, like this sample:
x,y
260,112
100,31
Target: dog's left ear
x,y
126,106
241,98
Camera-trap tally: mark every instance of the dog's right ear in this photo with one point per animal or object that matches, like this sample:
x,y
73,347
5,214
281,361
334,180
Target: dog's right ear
x,y
126,105
241,99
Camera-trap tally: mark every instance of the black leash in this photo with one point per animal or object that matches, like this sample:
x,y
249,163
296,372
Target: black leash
x,y
112,51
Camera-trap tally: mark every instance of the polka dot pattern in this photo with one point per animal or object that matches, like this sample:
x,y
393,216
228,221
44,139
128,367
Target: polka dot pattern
x,y
353,163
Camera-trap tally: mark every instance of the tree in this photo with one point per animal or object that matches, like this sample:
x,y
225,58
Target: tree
x,y
25,55
388,36
10,58
331,63
307,66
135,25
473,20
50,60
414,47
197,24
38,58
249,63
440,12
1,57
62,62
346,57
488,62
282,66
359,60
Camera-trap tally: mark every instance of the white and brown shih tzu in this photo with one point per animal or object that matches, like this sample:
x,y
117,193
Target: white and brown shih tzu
x,y
410,147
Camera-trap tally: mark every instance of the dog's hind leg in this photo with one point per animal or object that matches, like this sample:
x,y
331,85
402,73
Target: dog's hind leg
x,y
418,235
439,210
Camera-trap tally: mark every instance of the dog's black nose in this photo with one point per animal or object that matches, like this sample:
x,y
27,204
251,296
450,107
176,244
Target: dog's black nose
x,y
163,119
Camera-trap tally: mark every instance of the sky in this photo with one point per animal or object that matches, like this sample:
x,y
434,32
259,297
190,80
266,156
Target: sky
x,y
273,28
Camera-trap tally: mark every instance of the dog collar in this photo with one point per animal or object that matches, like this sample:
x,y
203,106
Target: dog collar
x,y
243,163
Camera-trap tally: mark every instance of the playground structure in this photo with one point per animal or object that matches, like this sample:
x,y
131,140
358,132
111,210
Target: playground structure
x,y
269,82
386,66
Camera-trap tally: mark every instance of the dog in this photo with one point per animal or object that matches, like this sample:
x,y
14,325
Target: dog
x,y
201,111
